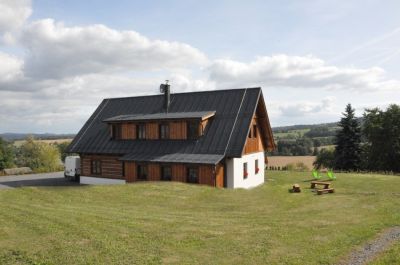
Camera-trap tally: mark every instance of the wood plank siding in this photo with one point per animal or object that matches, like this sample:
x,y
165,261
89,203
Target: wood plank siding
x,y
178,130
254,141
179,172
111,167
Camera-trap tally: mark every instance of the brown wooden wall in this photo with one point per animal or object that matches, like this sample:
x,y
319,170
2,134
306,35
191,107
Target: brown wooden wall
x,y
179,172
254,145
177,130
110,166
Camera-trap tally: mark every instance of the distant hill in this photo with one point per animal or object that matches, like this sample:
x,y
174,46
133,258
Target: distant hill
x,y
42,136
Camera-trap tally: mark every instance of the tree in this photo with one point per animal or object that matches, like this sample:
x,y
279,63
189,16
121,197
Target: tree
x,y
62,147
40,157
6,155
348,142
325,159
382,132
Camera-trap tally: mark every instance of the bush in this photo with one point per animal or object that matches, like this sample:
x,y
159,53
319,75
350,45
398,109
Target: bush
x,y
299,166
6,155
325,159
40,157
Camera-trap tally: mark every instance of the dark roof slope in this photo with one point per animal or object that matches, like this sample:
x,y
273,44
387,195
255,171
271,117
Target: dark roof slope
x,y
162,116
225,135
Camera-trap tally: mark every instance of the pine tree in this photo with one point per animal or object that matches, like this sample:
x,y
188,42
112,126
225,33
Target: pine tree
x,y
348,142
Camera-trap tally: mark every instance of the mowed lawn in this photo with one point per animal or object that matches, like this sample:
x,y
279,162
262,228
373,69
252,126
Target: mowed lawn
x,y
174,223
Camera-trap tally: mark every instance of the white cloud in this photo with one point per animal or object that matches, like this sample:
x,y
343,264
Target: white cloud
x,y
306,108
298,72
58,51
13,15
10,68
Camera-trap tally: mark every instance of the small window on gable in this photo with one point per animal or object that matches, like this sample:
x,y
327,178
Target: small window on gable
x,y
255,130
192,130
164,131
245,172
116,131
256,168
141,131
250,133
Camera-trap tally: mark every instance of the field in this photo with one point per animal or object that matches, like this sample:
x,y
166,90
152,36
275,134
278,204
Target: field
x,y
52,141
281,161
174,223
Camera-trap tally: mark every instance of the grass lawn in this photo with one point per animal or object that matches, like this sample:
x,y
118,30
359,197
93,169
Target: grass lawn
x,y
173,223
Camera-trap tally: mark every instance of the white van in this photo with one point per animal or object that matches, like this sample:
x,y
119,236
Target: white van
x,y
72,168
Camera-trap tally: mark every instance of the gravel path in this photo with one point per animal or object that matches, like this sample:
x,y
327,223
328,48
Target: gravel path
x,y
374,247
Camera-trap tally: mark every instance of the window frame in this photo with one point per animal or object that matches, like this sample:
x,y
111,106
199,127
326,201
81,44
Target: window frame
x,y
162,171
166,131
138,175
116,131
95,167
256,168
245,170
141,131
190,179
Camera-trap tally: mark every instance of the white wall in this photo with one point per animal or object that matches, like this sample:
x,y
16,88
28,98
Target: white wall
x,y
234,171
100,181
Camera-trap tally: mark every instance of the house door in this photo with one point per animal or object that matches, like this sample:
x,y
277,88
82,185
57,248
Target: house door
x,y
219,176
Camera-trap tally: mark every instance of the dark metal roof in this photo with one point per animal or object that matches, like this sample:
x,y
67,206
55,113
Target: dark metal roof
x,y
225,135
162,116
174,158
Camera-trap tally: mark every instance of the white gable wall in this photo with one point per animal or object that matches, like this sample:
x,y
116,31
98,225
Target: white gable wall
x,y
234,171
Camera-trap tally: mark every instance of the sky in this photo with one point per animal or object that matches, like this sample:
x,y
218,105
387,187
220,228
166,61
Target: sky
x,y
59,59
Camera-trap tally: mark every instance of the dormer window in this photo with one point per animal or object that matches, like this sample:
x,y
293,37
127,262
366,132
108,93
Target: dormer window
x,y
164,131
192,130
116,131
141,131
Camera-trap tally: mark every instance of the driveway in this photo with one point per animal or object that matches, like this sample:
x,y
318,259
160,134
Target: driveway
x,y
35,180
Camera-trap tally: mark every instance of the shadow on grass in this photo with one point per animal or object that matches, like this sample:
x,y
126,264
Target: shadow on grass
x,y
45,182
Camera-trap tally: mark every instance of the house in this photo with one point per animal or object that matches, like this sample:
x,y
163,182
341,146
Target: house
x,y
217,138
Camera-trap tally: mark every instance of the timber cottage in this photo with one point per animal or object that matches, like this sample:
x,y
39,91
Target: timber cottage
x,y
217,138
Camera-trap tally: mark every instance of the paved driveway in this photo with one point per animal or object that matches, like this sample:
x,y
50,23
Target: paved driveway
x,y
35,180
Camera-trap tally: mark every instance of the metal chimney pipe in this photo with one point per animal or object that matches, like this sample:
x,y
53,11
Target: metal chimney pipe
x,y
165,88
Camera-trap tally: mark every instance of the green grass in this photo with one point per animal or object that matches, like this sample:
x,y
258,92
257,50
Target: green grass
x,y
173,223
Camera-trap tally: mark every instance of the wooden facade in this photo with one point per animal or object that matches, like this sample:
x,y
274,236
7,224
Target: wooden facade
x,y
111,167
177,130
254,142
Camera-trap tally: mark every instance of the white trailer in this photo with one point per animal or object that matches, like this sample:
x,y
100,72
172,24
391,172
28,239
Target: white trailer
x,y
72,168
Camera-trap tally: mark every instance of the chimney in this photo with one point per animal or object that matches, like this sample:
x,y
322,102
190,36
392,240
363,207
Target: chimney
x,y
164,88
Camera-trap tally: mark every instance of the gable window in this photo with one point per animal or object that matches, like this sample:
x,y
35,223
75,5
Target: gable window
x,y
116,131
256,168
192,175
250,133
141,131
142,172
164,131
192,130
166,173
255,130
96,167
245,172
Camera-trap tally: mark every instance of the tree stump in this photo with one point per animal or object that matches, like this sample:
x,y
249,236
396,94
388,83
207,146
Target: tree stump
x,y
296,188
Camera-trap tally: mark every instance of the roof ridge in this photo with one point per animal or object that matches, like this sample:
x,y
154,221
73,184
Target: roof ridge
x,y
186,93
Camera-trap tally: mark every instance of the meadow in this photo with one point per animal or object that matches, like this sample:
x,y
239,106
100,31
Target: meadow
x,y
175,223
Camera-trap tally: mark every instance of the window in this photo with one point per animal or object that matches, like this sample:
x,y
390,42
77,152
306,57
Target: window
x,y
166,173
245,173
141,172
116,131
255,130
164,131
192,130
141,131
256,168
96,167
192,175
250,133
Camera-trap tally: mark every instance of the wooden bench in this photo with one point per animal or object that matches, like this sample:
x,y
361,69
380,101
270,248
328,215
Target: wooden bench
x,y
325,184
330,190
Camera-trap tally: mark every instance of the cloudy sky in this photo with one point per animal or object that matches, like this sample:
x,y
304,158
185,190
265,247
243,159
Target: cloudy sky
x,y
59,59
